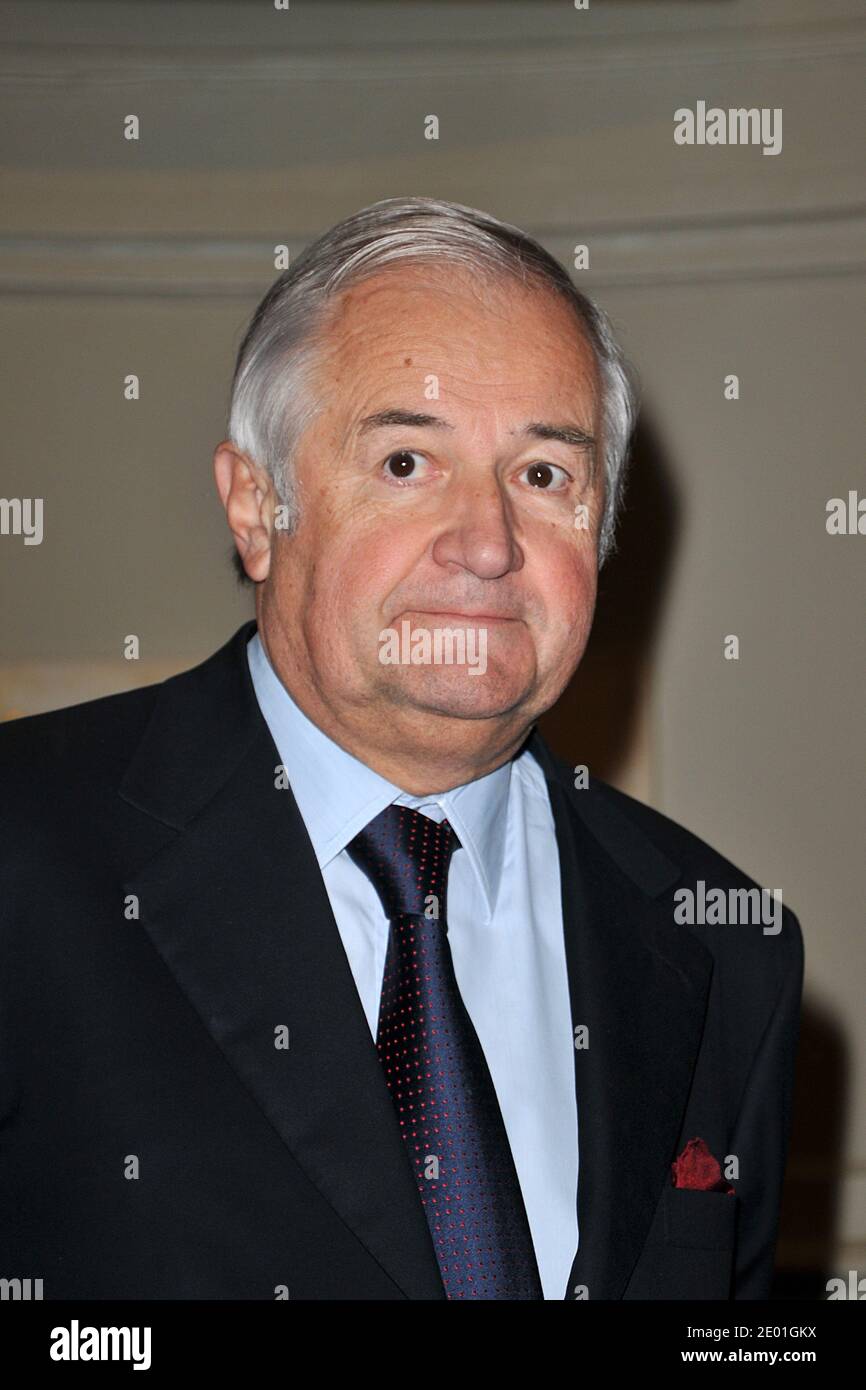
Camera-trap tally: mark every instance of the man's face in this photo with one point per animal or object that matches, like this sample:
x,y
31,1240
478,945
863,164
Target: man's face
x,y
468,520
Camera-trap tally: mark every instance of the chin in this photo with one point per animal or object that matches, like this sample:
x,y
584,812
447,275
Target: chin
x,y
459,694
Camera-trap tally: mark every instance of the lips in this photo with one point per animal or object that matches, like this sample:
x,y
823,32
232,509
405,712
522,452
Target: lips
x,y
464,616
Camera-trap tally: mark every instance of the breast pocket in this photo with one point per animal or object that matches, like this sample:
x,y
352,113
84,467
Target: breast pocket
x,y
689,1249
698,1220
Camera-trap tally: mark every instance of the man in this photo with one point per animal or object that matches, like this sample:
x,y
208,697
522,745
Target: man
x,y
324,977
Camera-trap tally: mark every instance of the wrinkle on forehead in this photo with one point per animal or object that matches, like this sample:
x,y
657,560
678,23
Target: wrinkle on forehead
x,y
365,361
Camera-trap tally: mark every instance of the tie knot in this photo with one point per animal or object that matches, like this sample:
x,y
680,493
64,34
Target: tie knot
x,y
406,855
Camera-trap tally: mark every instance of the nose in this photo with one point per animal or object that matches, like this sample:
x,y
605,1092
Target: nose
x,y
480,538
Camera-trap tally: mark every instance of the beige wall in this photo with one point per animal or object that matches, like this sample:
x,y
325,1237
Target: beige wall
x,y
259,128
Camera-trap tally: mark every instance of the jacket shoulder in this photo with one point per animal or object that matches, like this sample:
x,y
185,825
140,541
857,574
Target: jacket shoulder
x,y
701,869
681,845
83,738
673,864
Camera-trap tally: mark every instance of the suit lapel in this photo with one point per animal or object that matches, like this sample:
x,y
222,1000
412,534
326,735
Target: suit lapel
x,y
640,988
237,908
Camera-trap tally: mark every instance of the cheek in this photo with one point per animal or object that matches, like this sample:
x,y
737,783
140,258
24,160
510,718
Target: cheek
x,y
362,567
567,581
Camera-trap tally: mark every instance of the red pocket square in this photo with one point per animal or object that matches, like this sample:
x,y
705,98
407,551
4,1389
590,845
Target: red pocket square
x,y
698,1170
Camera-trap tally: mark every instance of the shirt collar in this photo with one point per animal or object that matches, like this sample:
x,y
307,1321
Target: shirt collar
x,y
338,795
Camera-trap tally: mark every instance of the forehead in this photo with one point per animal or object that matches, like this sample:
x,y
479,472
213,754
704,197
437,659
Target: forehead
x,y
486,341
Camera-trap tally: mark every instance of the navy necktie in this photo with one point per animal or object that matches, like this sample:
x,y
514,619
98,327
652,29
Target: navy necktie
x,y
436,1071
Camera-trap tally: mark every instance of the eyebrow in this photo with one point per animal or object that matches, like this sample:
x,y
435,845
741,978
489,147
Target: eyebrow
x,y
573,435
383,418
566,434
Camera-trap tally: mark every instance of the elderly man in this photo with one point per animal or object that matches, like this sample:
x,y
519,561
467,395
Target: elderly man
x,y
325,978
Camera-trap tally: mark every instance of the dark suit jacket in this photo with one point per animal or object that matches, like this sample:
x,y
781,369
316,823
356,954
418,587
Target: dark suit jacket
x,y
262,1168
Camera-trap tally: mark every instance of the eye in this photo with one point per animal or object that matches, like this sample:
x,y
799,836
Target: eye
x,y
401,466
547,476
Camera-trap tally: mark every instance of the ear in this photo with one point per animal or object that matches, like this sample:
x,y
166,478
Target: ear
x,y
247,493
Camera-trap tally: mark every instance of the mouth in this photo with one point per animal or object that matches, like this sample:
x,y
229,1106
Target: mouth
x,y
463,615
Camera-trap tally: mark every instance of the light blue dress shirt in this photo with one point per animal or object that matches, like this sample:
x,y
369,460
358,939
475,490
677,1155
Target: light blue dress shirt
x,y
505,931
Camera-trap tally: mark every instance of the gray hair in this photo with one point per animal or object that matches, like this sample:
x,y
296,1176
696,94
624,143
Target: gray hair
x,y
272,399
